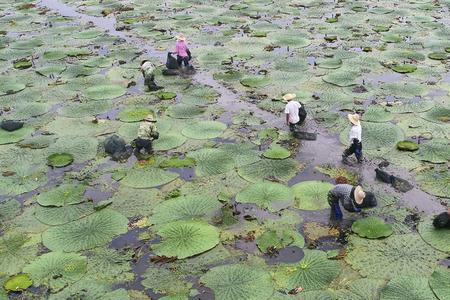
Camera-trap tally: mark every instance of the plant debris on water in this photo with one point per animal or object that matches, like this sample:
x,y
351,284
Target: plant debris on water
x,y
229,204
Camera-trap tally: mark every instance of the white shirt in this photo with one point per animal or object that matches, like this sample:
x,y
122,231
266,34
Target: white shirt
x,y
355,133
292,108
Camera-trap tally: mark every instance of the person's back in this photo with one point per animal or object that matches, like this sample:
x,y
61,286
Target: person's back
x,y
181,48
146,129
292,108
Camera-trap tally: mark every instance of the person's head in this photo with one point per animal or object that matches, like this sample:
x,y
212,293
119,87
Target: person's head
x,y
180,37
442,220
144,61
289,97
359,195
354,119
150,118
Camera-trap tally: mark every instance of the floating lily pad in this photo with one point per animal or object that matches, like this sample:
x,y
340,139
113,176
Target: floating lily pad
x,y
312,195
9,137
15,252
377,113
314,272
212,161
62,195
404,68
23,63
96,229
11,87
56,269
407,146
168,141
277,152
183,239
438,114
255,81
436,151
281,170
342,77
59,160
131,115
27,44
185,111
397,255
440,283
104,92
190,207
18,283
372,228
361,289
391,38
88,34
269,195
147,177
239,281
51,70
166,95
438,55
37,142
330,63
437,238
435,182
405,287
204,130
53,215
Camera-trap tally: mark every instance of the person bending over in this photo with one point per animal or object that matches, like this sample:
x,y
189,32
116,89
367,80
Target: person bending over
x,y
146,134
442,220
148,72
353,199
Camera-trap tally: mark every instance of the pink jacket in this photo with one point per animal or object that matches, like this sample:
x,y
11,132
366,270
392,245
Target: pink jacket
x,y
181,49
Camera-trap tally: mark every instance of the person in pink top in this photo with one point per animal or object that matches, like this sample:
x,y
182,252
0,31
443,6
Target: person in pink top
x,y
182,51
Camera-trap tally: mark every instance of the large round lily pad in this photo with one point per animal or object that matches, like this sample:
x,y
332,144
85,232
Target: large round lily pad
x,y
255,81
18,283
15,252
190,207
146,177
404,287
63,195
104,92
435,182
204,130
440,283
57,270
168,141
437,238
59,160
183,239
277,152
404,68
265,169
407,146
11,87
438,114
314,272
270,195
372,228
131,115
92,231
211,161
312,195
9,137
435,151
239,281
377,114
438,55
397,255
185,111
361,289
341,77
54,215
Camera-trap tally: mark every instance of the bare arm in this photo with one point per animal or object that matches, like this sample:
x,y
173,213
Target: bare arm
x,y
287,119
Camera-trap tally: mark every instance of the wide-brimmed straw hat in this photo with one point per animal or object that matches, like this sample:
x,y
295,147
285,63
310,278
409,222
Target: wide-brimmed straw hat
x,y
288,97
359,194
150,118
354,119
180,37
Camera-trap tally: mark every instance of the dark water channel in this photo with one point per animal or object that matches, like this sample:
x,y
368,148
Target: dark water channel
x,y
325,150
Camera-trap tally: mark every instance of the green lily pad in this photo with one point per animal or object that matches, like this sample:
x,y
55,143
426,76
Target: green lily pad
x,y
18,283
56,269
372,228
404,68
183,239
96,229
147,177
166,95
51,70
436,151
176,162
11,87
168,141
391,38
437,238
190,207
255,81
204,130
185,111
239,281
88,34
212,161
438,55
407,146
312,195
376,113
28,44
440,283
131,115
270,195
361,289
23,63
9,137
404,287
15,252
281,170
62,195
104,92
341,77
59,160
54,215
435,182
276,152
330,63
438,114
314,272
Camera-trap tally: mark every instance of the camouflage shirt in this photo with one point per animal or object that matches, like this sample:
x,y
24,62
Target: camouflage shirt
x,y
147,130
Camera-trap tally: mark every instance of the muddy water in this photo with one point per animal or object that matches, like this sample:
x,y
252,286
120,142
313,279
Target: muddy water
x,y
326,149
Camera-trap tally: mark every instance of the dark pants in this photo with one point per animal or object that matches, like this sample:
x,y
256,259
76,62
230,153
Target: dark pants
x,y
149,81
336,212
181,60
143,144
293,125
355,148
